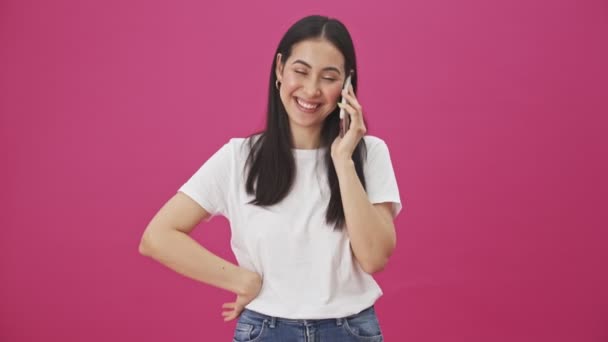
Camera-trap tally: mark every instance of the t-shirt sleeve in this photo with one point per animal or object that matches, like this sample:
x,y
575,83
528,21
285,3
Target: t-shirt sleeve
x,y
209,185
381,183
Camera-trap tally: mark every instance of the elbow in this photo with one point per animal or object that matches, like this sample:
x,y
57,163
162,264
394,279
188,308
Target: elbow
x,y
144,248
374,266
145,245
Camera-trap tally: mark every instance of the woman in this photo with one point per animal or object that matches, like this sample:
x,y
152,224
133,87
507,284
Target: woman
x,y
311,213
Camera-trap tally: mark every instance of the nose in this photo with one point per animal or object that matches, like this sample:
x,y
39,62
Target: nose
x,y
311,88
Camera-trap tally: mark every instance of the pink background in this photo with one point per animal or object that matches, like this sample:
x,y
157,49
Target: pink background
x,y
495,115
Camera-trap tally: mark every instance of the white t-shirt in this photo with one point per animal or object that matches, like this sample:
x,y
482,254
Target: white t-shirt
x,y
308,269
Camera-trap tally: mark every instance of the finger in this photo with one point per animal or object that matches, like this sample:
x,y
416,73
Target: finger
x,y
228,315
350,93
352,100
231,315
356,119
229,305
350,109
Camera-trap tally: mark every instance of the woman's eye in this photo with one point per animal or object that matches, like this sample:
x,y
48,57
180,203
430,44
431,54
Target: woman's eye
x,y
304,73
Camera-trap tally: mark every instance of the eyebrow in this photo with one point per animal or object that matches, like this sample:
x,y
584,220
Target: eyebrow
x,y
326,68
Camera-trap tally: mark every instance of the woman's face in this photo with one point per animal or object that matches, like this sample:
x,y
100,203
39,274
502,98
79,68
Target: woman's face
x,y
311,81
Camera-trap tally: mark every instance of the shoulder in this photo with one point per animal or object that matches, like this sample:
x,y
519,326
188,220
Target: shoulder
x,y
377,151
238,141
373,144
372,140
240,146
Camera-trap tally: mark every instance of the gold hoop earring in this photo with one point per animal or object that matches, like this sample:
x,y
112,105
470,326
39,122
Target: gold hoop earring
x,y
276,84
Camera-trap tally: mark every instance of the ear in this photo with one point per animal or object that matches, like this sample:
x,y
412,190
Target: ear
x,y
279,67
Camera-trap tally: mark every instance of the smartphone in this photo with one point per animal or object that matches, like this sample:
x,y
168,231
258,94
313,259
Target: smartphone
x,y
344,116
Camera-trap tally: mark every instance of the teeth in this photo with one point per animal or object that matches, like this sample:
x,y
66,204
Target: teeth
x,y
306,105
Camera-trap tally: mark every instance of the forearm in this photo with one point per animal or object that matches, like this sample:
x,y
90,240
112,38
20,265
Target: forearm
x,y
372,238
184,255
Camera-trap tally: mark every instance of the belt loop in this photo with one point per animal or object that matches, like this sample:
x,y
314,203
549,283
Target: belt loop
x,y
273,321
339,321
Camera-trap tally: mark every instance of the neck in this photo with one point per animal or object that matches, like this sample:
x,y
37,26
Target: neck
x,y
306,138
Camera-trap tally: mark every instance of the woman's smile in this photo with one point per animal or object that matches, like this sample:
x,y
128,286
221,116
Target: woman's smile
x,y
307,106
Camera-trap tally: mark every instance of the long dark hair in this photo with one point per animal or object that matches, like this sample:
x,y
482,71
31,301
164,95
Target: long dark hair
x,y
271,162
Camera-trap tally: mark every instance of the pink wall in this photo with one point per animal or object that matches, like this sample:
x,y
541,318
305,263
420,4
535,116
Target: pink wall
x,y
495,114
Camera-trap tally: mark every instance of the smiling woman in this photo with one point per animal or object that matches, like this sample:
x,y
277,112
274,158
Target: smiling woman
x,y
311,212
311,80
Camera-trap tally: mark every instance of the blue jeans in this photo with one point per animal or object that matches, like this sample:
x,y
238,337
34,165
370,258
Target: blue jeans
x,y
256,327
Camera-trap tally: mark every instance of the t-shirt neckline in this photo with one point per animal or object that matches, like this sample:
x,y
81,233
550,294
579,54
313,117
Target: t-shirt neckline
x,y
307,153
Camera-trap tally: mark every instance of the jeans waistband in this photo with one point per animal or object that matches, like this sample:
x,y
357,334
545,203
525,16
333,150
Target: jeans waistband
x,y
273,320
